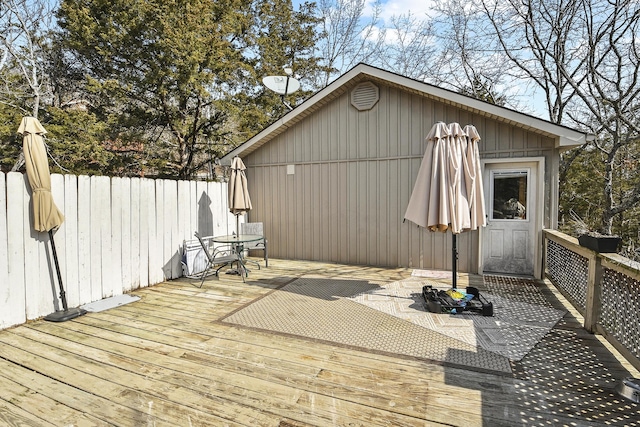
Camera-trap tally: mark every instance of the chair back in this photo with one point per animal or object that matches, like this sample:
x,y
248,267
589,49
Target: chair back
x,y
195,255
252,228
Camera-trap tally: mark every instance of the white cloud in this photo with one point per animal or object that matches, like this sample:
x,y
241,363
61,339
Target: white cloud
x,y
418,8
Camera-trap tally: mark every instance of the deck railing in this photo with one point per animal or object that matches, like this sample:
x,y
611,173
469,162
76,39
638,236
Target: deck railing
x,y
604,288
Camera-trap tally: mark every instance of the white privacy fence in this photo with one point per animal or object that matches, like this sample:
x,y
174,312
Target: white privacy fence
x,y
119,234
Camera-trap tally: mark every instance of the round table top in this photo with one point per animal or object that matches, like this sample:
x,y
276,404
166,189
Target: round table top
x,y
237,238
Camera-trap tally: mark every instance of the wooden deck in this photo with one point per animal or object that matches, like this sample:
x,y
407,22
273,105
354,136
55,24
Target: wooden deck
x,y
167,360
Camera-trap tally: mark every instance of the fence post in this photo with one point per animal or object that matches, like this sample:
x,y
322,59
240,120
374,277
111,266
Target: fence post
x,y
592,309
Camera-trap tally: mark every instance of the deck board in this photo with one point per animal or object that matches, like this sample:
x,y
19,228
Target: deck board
x,y
170,359
11,415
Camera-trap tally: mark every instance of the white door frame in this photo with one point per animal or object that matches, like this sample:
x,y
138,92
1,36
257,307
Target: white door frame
x,y
538,187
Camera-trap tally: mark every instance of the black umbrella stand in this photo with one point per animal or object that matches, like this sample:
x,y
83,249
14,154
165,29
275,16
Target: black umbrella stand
x,y
66,314
236,271
454,260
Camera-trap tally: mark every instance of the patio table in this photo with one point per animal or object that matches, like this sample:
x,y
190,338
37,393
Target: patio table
x,y
238,241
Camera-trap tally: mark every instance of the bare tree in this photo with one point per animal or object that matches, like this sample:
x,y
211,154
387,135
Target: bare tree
x,y
584,55
23,27
347,36
543,40
409,46
465,62
610,93
448,51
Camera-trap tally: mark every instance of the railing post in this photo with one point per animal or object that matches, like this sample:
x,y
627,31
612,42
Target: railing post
x,y
545,251
592,309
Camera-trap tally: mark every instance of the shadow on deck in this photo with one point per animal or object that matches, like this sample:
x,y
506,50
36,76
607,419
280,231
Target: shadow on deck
x,y
312,344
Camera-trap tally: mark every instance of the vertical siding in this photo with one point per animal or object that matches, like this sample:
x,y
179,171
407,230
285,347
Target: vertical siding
x,y
354,174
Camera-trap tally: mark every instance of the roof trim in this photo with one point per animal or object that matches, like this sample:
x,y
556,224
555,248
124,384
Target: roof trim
x,y
565,137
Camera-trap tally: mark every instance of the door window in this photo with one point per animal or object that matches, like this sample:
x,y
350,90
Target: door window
x,y
509,195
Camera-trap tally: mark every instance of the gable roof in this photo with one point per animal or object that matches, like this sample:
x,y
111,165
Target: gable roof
x,y
565,137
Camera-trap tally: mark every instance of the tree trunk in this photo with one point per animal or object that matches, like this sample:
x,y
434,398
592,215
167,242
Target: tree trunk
x,y
20,160
607,211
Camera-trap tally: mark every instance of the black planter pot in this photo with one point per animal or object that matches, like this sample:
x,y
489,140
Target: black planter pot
x,y
602,244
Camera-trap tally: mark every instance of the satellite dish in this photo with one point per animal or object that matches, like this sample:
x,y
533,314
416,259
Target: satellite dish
x,y
282,85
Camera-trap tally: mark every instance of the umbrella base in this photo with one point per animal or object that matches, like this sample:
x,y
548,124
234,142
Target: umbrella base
x,y
63,316
438,301
630,388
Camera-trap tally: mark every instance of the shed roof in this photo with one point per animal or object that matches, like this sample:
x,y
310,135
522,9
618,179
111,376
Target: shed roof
x,y
565,137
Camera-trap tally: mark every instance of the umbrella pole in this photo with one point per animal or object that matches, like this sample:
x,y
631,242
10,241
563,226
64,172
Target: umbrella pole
x,y
454,260
61,316
63,295
236,246
236,249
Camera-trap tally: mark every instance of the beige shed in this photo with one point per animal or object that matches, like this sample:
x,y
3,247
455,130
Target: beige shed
x,y
332,178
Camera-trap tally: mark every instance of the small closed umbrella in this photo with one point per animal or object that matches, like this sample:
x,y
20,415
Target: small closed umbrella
x,y
239,200
445,194
46,216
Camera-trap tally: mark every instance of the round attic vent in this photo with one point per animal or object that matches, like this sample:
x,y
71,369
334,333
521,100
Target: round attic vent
x,y
365,96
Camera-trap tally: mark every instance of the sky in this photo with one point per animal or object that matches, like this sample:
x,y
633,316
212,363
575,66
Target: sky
x,y
421,8
397,7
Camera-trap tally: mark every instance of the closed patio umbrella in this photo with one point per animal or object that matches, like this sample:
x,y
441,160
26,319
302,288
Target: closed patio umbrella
x,y
46,216
475,188
239,200
428,206
447,194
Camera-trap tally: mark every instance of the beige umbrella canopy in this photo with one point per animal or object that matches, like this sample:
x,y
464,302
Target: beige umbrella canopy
x,y
239,200
473,177
428,207
448,191
46,215
458,194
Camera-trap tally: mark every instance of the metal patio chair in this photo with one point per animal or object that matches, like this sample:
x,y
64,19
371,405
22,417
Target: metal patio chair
x,y
258,245
217,256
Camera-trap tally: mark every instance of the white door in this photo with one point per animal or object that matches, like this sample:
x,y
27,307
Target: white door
x,y
508,241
